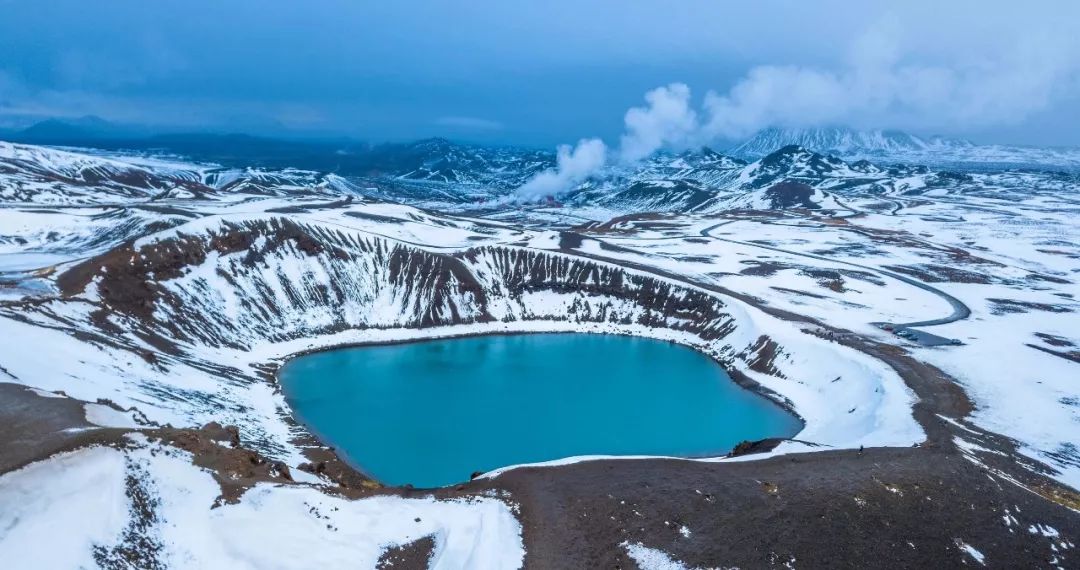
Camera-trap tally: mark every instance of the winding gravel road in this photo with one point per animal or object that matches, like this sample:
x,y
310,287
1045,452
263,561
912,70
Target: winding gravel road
x,y
960,311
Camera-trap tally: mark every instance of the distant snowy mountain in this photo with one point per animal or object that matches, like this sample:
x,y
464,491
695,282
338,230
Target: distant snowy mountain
x,y
890,146
40,175
839,141
440,160
44,175
436,174
793,161
790,177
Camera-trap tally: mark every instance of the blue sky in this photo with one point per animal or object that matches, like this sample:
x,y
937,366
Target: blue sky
x,y
542,72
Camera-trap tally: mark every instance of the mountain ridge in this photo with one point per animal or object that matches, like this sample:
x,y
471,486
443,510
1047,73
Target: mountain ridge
x,y
894,146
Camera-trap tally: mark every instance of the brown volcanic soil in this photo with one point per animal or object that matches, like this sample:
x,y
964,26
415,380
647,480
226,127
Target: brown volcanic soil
x,y
897,508
412,556
35,427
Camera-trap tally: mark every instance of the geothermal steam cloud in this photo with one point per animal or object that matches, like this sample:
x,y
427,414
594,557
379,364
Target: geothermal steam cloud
x,y
573,166
876,87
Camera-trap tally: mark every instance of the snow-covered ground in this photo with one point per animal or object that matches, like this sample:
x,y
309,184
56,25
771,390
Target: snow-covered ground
x,y
1015,260
171,289
846,398
87,529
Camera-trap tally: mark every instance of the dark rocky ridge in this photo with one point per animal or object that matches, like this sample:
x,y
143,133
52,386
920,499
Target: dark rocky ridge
x,y
789,194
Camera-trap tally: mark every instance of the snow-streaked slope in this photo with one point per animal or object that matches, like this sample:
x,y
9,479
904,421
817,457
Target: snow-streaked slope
x,y
282,182
46,176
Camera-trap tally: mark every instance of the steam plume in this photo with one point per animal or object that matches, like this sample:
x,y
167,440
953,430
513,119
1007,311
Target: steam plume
x,y
573,166
875,87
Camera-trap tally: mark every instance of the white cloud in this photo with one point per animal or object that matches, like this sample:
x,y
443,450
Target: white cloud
x,y
882,85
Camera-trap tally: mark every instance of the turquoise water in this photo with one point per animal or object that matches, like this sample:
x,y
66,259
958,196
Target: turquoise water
x,y
431,413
